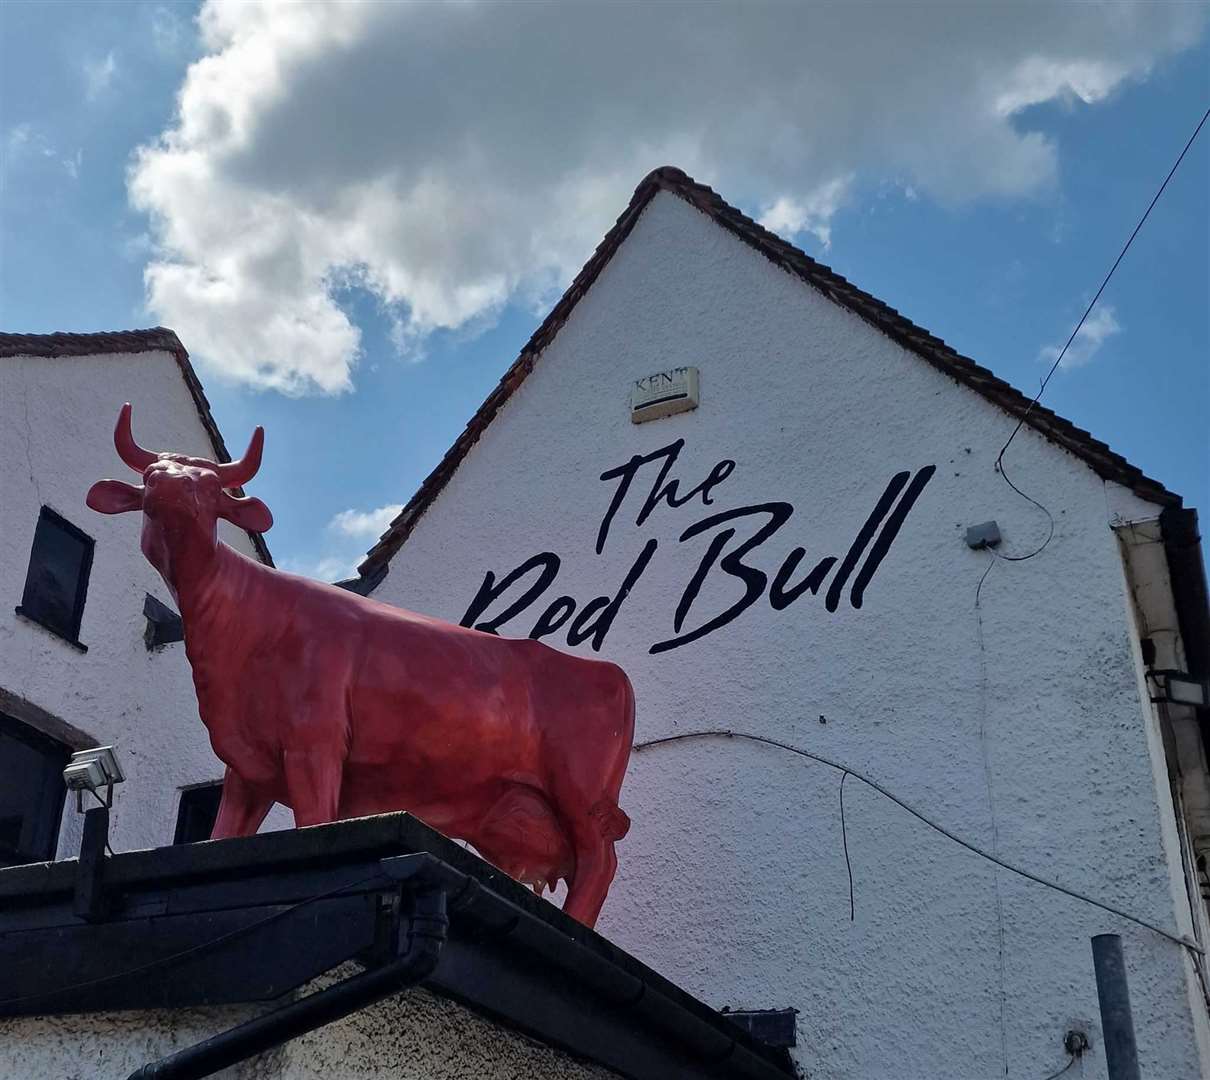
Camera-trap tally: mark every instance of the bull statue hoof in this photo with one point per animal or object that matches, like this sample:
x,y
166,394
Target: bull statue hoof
x,y
339,706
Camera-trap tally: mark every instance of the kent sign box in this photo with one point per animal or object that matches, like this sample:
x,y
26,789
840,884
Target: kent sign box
x,y
664,393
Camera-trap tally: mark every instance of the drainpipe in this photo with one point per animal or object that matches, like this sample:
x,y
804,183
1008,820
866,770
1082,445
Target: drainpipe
x,y
1117,1023
426,934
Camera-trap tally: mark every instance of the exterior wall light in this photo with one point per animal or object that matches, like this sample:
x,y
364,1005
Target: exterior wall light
x,y
91,770
1179,688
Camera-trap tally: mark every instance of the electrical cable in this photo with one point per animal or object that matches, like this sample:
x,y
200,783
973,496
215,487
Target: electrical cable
x,y
844,837
1070,1062
973,848
991,808
193,950
999,465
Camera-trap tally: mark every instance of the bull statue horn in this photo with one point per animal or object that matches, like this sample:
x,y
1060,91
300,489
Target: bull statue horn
x,y
130,451
237,473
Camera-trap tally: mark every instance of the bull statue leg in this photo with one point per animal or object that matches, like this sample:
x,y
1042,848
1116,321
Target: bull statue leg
x,y
596,864
313,780
242,808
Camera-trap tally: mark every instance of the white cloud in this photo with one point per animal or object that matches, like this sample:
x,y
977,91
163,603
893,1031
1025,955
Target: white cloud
x,y
366,524
1042,79
454,158
813,213
99,74
348,535
1098,328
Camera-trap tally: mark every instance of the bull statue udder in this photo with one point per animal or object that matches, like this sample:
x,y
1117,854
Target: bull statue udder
x,y
339,706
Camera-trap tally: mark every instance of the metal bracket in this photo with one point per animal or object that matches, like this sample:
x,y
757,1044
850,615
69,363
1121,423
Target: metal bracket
x,y
90,902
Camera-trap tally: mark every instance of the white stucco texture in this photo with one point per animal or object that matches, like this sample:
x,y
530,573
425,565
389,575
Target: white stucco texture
x,y
56,439
733,880
414,1035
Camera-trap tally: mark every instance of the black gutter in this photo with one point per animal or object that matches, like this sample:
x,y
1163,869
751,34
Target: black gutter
x,y
251,919
1187,571
422,944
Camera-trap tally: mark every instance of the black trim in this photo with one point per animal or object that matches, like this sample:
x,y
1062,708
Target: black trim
x,y
364,585
418,951
46,803
37,597
777,1027
1187,572
196,812
297,903
47,723
164,626
30,617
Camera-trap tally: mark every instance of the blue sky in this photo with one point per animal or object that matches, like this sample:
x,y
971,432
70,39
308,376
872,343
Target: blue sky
x,y
355,217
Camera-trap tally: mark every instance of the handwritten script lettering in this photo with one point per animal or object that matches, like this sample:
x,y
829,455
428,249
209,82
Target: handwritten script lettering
x,y
498,602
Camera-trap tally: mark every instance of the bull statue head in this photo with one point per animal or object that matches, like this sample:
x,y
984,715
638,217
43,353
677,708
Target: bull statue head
x,y
182,499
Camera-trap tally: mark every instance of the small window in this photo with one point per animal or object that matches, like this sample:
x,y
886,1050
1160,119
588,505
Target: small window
x,y
57,581
31,793
198,812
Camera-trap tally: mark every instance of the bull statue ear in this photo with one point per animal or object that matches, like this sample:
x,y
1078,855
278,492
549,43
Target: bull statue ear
x,y
114,497
248,513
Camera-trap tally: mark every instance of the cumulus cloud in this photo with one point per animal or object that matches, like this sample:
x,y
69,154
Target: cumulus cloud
x,y
346,538
812,213
454,158
365,524
1098,328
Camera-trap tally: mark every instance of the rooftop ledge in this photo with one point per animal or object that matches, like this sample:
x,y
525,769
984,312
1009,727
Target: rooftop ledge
x,y
262,915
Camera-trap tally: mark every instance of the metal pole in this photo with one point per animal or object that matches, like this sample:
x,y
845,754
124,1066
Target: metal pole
x,y
1117,1024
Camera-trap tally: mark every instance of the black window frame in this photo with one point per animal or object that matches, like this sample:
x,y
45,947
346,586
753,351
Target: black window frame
x,y
29,610
52,802
197,810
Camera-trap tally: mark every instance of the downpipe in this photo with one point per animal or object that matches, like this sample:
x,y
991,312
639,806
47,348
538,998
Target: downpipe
x,y
428,925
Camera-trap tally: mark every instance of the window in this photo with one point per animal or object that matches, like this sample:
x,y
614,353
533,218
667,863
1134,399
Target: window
x,y
57,581
198,812
31,793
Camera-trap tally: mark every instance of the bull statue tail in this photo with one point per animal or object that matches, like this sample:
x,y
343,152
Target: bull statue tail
x,y
610,818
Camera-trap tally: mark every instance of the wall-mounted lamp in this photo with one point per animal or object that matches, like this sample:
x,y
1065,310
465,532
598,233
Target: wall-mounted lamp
x,y
1179,688
91,770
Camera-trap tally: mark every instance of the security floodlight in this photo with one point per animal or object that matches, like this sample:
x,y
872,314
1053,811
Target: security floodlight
x,y
91,770
1179,688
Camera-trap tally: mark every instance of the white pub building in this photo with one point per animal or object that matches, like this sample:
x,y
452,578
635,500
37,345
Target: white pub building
x,y
912,728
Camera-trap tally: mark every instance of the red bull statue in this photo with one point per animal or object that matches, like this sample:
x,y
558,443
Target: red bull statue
x,y
339,706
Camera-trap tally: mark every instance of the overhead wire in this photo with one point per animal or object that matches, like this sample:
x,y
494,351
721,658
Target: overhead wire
x,y
999,465
975,849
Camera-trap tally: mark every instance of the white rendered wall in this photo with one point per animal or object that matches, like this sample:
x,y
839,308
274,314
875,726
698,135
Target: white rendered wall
x,y
412,1036
733,880
56,439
